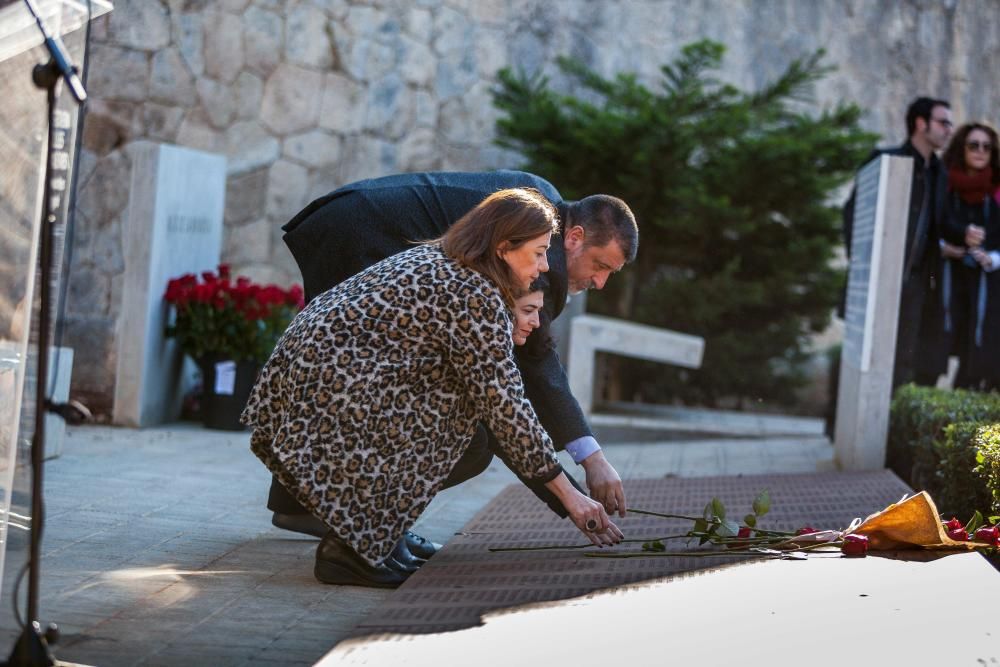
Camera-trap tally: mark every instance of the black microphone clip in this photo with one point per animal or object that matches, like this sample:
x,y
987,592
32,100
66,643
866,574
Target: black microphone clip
x,y
72,412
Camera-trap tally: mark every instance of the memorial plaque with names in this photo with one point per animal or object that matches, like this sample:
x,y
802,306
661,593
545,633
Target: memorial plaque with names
x,y
881,209
857,345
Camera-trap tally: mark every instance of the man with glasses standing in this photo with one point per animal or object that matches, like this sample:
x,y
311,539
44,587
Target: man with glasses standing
x,y
928,126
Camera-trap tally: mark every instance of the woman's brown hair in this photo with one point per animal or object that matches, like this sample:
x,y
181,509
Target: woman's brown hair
x,y
516,216
954,156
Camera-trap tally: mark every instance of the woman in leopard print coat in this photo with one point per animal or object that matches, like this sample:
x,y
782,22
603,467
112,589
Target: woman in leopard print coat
x,y
374,391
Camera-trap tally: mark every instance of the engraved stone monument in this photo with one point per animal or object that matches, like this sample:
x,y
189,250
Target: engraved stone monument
x,y
173,226
874,278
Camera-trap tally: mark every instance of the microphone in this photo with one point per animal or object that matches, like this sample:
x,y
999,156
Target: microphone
x,y
59,64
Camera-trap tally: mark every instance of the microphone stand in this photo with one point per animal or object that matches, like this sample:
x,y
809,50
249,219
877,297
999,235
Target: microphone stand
x,y
32,647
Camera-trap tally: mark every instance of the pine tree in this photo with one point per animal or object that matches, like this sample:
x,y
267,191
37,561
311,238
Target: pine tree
x,y
732,193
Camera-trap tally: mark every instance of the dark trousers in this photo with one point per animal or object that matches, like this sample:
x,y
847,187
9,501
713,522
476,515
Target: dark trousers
x,y
475,460
911,305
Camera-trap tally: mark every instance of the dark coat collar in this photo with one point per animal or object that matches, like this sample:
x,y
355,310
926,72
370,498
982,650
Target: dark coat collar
x,y
557,278
918,160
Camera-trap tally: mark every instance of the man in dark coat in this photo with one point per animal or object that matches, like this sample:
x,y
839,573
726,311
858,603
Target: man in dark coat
x,y
348,230
929,125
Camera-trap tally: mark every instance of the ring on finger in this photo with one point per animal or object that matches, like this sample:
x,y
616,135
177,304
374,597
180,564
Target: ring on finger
x,y
591,525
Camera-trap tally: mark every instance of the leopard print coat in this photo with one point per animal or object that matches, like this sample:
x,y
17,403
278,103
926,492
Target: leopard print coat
x,y
374,391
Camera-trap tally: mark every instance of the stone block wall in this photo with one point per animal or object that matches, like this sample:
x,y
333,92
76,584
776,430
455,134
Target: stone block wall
x,y
305,95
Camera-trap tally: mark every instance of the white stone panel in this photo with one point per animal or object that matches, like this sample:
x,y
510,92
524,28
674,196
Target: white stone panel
x,y
865,390
173,226
591,333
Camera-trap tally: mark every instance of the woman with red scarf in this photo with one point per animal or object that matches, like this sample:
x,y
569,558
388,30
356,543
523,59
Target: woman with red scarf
x,y
970,283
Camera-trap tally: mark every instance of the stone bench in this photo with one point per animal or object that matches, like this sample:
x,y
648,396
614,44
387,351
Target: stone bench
x,y
590,334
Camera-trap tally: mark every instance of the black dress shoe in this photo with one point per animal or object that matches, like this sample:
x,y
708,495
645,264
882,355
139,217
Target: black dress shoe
x,y
420,547
404,557
306,524
338,563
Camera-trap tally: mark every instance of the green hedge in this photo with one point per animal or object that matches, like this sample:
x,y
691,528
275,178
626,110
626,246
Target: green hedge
x,y
988,458
934,437
917,421
960,488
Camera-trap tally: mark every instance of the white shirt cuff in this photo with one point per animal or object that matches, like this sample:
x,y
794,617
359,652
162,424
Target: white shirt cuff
x,y
995,258
583,447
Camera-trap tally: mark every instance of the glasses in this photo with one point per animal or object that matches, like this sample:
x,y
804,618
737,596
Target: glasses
x,y
979,146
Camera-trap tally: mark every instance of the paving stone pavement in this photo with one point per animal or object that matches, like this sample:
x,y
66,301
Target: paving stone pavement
x,y
158,548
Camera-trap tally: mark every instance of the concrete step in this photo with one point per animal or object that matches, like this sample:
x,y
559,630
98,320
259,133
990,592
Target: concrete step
x,y
720,456
645,422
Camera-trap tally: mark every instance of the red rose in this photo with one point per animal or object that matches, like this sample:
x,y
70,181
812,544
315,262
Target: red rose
x,y
989,535
743,533
272,295
805,530
227,315
854,545
203,293
174,291
953,524
241,292
959,535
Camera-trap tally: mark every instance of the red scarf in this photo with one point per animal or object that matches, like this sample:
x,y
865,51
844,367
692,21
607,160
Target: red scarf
x,y
971,187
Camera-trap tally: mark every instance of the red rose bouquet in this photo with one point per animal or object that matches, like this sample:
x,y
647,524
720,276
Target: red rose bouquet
x,y
215,316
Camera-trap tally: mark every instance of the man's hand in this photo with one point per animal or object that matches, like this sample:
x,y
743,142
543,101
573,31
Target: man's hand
x,y
604,484
974,235
982,257
952,251
587,513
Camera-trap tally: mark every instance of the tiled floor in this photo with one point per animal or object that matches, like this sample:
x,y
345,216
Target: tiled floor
x,y
467,580
158,549
584,606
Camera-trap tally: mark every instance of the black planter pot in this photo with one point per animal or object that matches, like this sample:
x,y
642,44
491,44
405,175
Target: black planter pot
x,y
226,390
